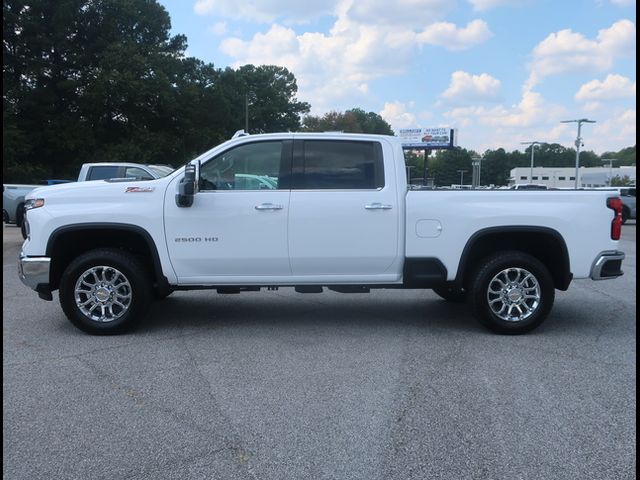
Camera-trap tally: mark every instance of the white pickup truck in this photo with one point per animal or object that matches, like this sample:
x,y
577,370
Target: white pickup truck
x,y
321,211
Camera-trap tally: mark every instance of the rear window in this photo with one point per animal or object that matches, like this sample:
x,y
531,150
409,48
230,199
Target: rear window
x,y
103,172
341,165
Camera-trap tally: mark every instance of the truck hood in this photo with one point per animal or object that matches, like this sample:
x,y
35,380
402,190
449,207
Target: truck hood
x,y
97,188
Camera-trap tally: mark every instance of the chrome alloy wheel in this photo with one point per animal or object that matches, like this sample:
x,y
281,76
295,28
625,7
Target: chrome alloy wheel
x,y
103,294
513,294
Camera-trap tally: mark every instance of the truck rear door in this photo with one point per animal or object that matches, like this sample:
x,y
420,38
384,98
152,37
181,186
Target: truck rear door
x,y
344,212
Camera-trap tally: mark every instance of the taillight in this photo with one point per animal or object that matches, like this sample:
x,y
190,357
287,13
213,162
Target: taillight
x,y
615,204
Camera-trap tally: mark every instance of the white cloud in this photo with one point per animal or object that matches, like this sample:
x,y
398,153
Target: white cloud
x,y
218,28
623,3
532,111
412,14
336,67
448,35
612,88
568,51
465,87
267,11
615,132
396,114
487,4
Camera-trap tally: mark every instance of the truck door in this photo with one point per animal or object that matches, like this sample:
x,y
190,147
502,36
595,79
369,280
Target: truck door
x,y
344,212
235,228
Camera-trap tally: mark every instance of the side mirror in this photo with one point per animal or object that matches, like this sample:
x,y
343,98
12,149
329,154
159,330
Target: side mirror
x,y
187,186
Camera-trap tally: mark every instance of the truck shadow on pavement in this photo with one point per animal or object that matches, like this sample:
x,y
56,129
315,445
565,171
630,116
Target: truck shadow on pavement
x,y
342,311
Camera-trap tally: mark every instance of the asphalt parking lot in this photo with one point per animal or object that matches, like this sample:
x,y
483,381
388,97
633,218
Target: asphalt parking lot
x,y
280,385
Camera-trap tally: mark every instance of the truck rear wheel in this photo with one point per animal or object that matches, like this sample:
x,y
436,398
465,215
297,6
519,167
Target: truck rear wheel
x,y
105,291
512,292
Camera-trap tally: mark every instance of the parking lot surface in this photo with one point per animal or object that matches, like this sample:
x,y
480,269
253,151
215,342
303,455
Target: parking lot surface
x,y
280,385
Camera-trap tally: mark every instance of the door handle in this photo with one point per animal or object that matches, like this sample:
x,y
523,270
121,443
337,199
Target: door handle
x,y
378,206
269,206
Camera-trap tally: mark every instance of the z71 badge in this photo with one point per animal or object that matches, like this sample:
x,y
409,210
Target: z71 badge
x,y
139,189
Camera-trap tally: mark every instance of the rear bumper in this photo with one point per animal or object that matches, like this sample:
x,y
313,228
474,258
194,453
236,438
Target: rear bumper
x,y
607,265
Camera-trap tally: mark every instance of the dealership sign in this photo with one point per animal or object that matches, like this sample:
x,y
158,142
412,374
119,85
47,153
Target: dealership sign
x,y
427,137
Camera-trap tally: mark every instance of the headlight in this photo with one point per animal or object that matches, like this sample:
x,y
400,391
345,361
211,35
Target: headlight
x,y
34,203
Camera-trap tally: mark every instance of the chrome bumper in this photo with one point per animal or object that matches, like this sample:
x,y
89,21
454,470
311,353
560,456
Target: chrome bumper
x,y
34,271
607,265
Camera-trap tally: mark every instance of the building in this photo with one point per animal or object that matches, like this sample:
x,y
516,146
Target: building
x,y
564,177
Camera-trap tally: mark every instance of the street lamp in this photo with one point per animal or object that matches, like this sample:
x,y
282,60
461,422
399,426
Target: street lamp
x,y
610,160
462,172
476,163
578,142
533,145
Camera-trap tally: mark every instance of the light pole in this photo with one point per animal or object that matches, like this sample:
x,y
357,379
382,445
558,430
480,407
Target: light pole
x,y
246,113
533,145
578,142
475,163
610,160
462,172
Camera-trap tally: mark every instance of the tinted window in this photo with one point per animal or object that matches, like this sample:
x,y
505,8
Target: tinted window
x,y
523,178
253,166
562,178
545,178
343,165
136,172
103,172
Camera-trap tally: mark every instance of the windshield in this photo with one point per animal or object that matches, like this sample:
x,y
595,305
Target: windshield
x,y
161,170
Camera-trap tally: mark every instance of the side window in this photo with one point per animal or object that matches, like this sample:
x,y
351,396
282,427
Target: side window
x,y
341,165
135,172
253,166
103,172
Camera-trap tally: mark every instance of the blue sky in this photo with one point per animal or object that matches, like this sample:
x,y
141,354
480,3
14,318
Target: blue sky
x,y
500,71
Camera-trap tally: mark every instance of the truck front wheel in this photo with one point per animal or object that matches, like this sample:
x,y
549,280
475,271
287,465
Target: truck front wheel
x,y
512,292
104,291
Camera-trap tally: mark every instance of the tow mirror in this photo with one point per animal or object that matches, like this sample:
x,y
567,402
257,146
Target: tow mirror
x,y
188,186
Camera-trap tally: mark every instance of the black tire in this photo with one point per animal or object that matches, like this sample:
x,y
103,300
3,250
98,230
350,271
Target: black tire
x,y
451,294
23,230
517,264
138,289
625,215
19,215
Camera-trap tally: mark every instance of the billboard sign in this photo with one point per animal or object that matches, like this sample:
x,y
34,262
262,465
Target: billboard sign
x,y
441,137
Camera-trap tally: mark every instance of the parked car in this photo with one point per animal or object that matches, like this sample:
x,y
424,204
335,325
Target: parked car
x,y
628,195
529,186
107,170
13,200
13,195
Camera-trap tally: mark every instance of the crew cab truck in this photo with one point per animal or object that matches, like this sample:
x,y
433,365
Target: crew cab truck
x,y
339,216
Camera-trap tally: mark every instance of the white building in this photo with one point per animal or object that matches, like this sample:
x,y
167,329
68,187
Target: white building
x,y
564,177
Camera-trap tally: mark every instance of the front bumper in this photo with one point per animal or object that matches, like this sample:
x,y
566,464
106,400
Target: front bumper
x,y
607,265
34,271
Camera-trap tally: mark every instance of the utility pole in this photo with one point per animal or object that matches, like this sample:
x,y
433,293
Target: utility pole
x,y
578,142
462,172
533,145
610,160
246,112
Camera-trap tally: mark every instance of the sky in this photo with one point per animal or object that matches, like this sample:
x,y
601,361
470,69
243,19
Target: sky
x,y
502,72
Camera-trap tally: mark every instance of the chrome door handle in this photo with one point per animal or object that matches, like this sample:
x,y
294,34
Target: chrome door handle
x,y
269,206
378,206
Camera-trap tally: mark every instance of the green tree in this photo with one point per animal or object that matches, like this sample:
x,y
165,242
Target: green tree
x,y
271,95
354,120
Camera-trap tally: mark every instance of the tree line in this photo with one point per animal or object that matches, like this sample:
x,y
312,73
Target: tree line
x,y
104,80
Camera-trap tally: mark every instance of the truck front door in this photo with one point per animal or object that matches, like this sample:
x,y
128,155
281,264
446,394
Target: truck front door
x,y
236,228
